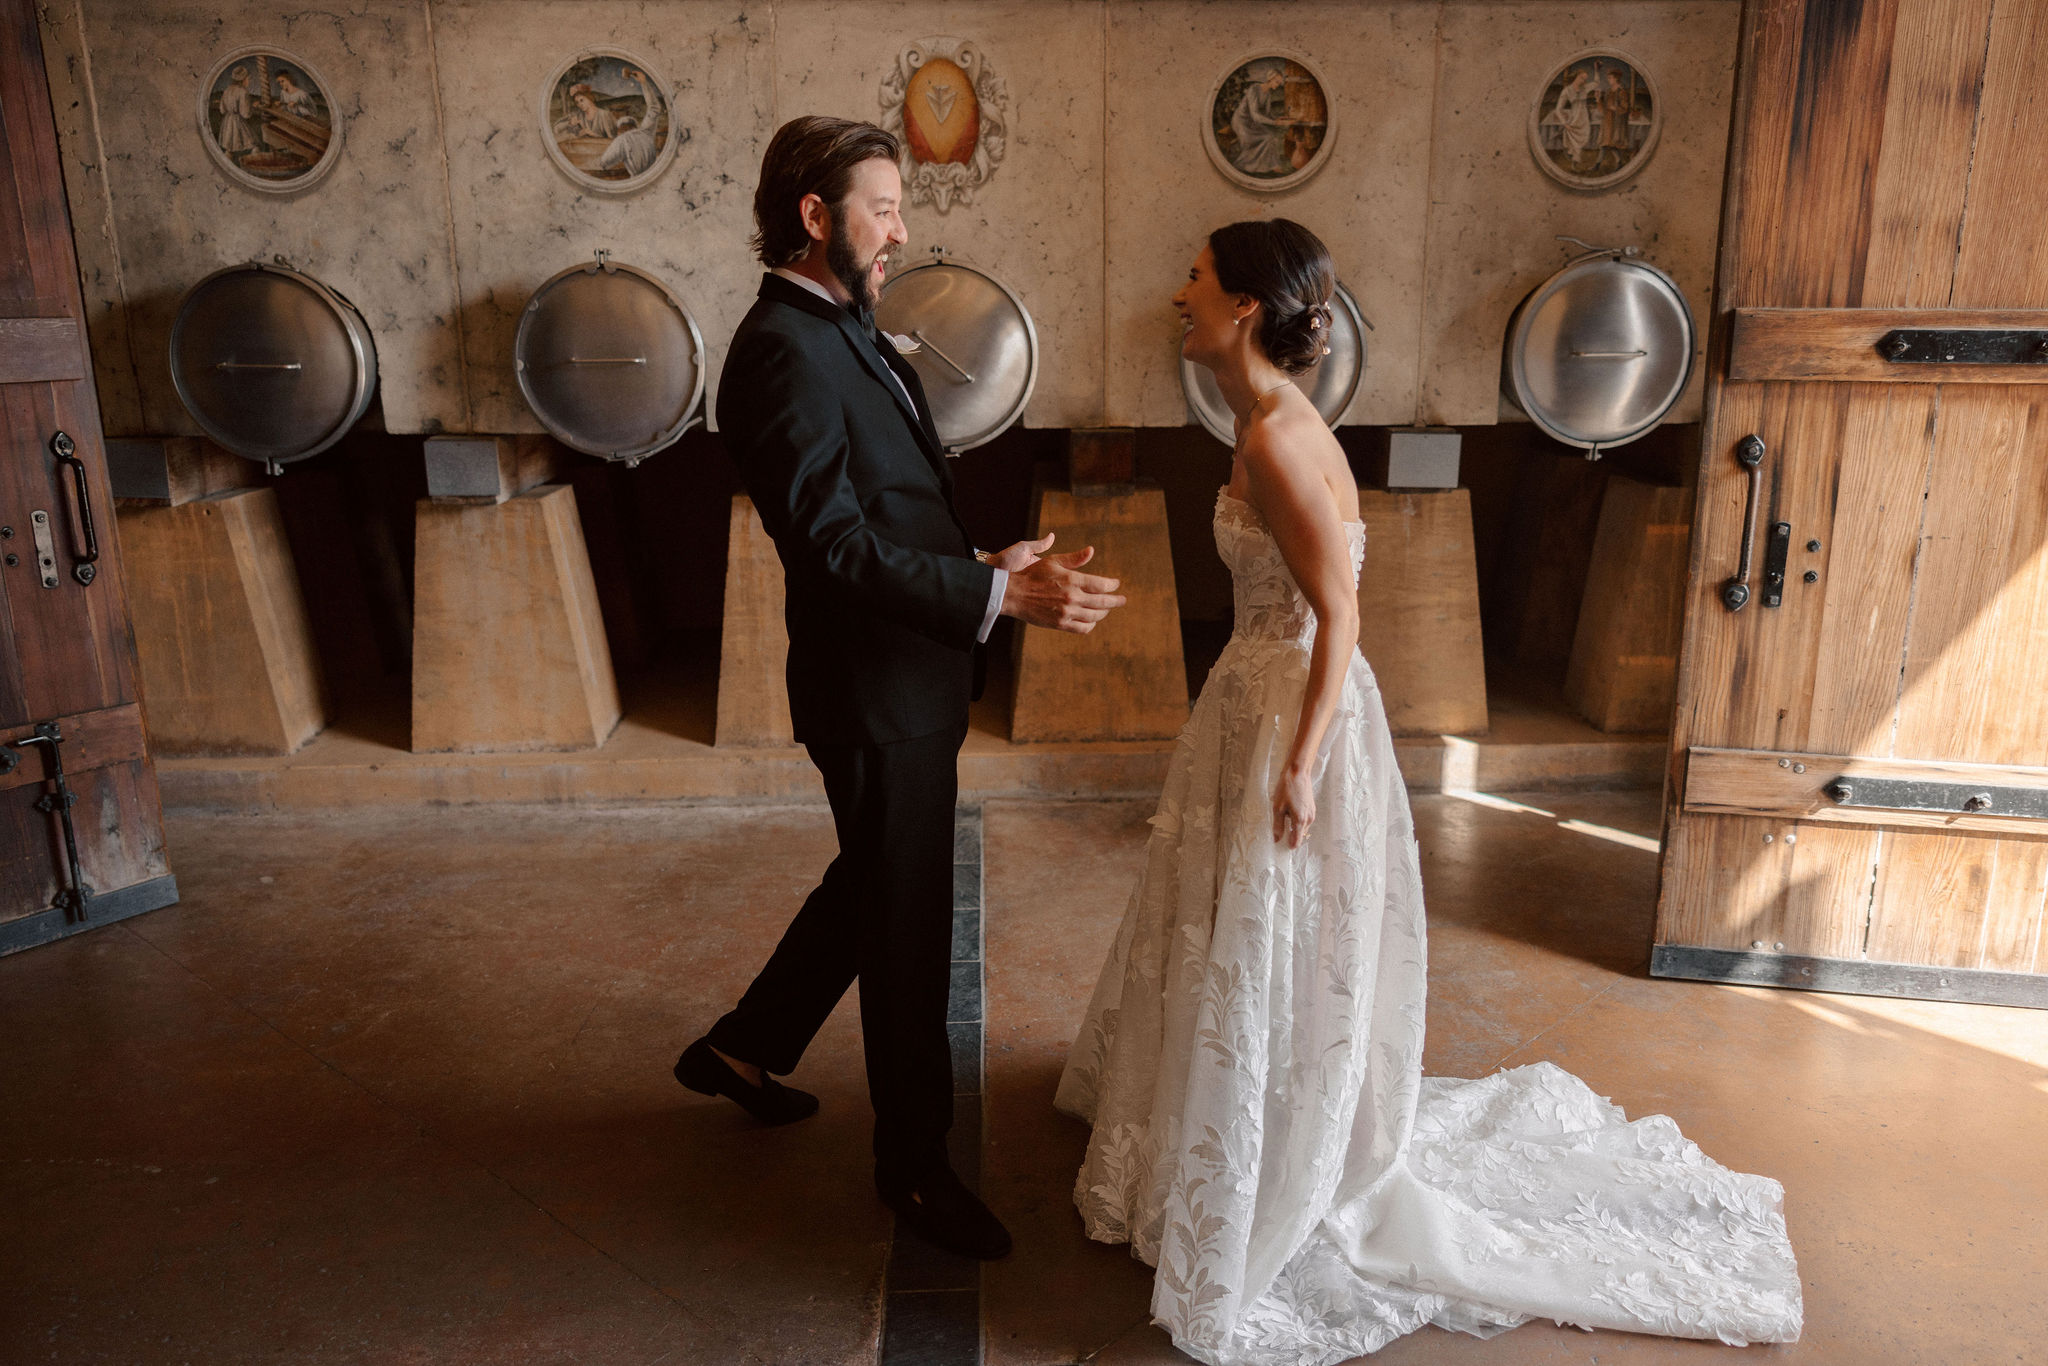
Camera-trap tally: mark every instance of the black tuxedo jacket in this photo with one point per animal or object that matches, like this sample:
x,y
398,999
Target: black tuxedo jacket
x,y
884,595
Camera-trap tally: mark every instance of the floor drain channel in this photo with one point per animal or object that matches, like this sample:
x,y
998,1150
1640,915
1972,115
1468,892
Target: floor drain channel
x,y
931,1302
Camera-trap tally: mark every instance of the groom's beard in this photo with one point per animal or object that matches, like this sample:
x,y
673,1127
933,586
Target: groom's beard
x,y
853,274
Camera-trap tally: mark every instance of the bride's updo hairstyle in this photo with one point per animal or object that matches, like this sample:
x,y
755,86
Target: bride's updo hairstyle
x,y
1288,270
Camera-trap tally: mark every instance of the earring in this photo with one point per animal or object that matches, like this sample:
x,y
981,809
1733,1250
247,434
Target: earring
x,y
1237,322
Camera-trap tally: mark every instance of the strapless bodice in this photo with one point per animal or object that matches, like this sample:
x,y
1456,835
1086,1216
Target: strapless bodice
x,y
1270,605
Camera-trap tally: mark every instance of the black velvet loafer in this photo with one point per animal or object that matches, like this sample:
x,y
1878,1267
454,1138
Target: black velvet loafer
x,y
942,1211
704,1072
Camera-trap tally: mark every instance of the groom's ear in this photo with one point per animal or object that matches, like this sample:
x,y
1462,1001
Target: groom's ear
x,y
817,217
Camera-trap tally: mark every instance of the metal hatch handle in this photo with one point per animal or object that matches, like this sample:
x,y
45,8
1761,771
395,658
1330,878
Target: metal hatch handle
x,y
606,360
917,333
257,365
1610,355
1749,452
60,799
86,567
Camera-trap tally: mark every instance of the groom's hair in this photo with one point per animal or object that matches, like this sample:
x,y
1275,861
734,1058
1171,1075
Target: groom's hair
x,y
816,155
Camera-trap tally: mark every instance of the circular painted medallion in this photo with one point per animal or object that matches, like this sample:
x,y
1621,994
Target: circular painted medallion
x,y
607,120
1271,122
268,120
1596,120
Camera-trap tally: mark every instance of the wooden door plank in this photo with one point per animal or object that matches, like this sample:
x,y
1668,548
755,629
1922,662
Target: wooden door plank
x,y
1841,344
2002,256
1976,684
1923,170
1957,902
1833,137
2016,909
30,131
1867,565
38,349
1745,882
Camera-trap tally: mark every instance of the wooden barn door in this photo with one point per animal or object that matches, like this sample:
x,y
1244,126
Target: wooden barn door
x,y
87,847
1858,792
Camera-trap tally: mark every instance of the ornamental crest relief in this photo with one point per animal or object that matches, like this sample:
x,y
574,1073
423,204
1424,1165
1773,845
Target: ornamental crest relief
x,y
951,112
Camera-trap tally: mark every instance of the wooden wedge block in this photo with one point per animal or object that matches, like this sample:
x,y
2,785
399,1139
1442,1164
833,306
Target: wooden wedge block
x,y
1126,679
221,633
1623,674
509,649
753,691
1418,611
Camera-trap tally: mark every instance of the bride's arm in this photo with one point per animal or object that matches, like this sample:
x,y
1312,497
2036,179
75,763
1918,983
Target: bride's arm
x,y
1297,506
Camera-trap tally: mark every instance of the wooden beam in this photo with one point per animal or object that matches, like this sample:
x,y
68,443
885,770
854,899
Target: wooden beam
x,y
1841,344
40,350
1787,786
92,739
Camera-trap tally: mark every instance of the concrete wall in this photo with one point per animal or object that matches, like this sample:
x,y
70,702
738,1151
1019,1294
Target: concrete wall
x,y
444,212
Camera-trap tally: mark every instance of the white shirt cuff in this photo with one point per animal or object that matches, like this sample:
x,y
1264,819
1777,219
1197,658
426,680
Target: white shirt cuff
x,y
995,603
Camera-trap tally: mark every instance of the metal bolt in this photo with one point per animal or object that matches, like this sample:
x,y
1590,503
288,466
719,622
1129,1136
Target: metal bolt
x,y
1799,768
1756,943
6,533
13,559
1769,838
1779,947
1784,763
1791,839
1813,545
1980,802
1812,576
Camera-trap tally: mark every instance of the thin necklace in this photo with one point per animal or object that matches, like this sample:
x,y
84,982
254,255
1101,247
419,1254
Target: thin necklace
x,y
1262,396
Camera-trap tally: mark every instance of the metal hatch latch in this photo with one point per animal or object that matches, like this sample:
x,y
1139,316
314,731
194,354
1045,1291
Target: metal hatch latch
x,y
73,899
1775,551
1963,346
1954,799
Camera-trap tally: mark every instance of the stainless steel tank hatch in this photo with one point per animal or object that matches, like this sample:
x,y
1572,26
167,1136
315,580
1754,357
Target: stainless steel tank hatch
x,y
610,361
972,343
272,364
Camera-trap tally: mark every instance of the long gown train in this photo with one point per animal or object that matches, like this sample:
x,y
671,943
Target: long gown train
x,y
1251,1066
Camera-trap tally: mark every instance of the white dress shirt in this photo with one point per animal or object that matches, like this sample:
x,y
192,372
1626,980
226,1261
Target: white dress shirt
x,y
1002,576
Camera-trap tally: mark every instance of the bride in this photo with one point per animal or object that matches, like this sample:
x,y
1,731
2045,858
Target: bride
x,y
1251,1061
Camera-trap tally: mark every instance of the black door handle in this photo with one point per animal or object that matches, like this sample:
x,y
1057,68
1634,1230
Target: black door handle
x,y
86,568
1749,453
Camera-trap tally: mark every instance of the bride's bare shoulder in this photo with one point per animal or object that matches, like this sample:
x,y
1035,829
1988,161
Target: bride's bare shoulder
x,y
1297,450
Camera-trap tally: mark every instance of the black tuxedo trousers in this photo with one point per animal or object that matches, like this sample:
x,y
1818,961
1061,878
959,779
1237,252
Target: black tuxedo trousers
x,y
884,913
833,436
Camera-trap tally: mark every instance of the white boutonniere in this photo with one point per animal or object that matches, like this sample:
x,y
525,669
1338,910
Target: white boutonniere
x,y
905,346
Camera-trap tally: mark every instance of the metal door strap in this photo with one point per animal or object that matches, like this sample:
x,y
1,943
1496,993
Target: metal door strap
x,y
74,899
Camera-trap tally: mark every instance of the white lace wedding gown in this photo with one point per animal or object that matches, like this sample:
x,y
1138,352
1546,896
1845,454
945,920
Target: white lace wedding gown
x,y
1252,1065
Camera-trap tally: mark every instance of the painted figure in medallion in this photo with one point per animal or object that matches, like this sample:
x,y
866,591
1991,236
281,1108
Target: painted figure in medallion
x,y
1269,124
267,120
608,121
1595,122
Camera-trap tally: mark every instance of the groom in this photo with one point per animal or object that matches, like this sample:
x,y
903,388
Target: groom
x,y
888,603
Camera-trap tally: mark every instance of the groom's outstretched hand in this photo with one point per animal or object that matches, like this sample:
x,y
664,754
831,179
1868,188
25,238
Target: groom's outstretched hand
x,y
1047,591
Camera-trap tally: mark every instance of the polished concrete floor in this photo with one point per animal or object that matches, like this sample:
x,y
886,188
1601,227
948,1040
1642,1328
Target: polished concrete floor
x,y
393,1087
